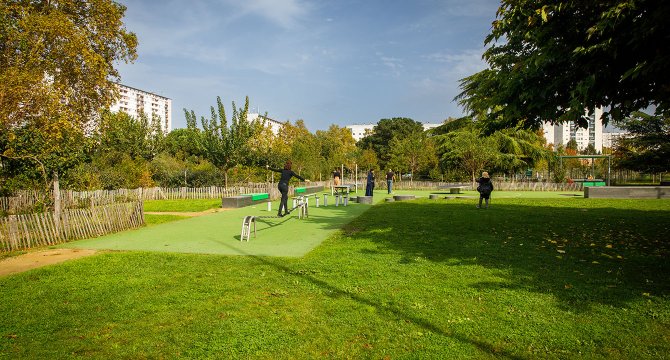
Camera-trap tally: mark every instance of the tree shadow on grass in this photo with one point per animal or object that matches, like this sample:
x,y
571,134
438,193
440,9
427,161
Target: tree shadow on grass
x,y
391,311
580,255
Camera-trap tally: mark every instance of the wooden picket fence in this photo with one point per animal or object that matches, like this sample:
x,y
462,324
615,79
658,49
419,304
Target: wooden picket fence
x,y
536,186
27,200
23,201
18,232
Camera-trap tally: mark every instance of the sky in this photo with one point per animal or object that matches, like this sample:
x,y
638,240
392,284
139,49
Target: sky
x,y
326,62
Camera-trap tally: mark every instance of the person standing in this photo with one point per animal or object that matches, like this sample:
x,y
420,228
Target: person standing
x,y
337,177
286,175
370,186
390,177
484,188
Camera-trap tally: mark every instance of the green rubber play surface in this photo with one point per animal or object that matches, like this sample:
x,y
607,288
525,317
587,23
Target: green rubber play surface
x,y
219,233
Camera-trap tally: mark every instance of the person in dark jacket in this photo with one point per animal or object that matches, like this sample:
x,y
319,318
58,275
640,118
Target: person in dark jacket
x,y
485,188
370,185
390,177
286,175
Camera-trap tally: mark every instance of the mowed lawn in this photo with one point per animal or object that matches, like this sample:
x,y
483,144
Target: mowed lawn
x,y
562,277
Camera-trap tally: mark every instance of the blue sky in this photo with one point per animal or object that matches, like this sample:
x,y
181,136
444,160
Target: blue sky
x,y
325,62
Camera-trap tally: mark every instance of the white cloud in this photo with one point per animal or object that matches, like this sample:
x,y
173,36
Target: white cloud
x,y
460,64
394,64
285,13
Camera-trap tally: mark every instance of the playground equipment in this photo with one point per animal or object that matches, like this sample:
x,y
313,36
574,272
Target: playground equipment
x,y
301,203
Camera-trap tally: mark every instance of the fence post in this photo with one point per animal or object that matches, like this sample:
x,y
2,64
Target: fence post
x,y
13,232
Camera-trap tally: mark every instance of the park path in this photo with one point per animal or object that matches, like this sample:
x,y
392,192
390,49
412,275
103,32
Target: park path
x,y
36,259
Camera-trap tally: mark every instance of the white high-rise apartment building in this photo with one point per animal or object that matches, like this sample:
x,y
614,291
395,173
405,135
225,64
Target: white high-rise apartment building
x,y
274,125
359,131
135,101
564,132
610,139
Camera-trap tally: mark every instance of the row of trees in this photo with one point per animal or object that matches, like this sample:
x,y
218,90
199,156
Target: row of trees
x,y
548,61
126,152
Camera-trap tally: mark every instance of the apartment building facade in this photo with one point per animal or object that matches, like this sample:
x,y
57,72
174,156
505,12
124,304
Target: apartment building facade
x,y
564,132
274,125
135,102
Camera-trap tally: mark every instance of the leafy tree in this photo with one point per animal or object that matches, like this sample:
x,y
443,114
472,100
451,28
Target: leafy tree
x,y
337,147
452,124
571,148
385,131
261,146
518,149
413,153
120,171
56,65
120,133
305,152
466,150
590,149
550,59
169,171
366,159
647,148
33,152
226,145
184,143
57,57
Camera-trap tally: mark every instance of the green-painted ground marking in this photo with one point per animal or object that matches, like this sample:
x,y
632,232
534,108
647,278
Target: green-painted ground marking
x,y
219,233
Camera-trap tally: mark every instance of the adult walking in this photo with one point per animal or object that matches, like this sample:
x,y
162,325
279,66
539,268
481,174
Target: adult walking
x,y
370,185
286,175
484,188
390,177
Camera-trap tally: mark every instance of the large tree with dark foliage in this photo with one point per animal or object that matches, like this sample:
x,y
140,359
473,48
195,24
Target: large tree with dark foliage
x,y
384,132
647,148
549,60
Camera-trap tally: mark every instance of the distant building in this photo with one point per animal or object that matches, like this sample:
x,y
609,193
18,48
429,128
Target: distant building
x,y
610,138
428,126
564,132
135,101
359,131
274,125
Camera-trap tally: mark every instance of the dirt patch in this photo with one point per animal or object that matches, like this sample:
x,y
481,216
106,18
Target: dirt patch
x,y
37,259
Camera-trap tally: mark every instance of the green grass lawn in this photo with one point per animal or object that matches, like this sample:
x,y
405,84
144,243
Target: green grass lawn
x,y
191,205
543,277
